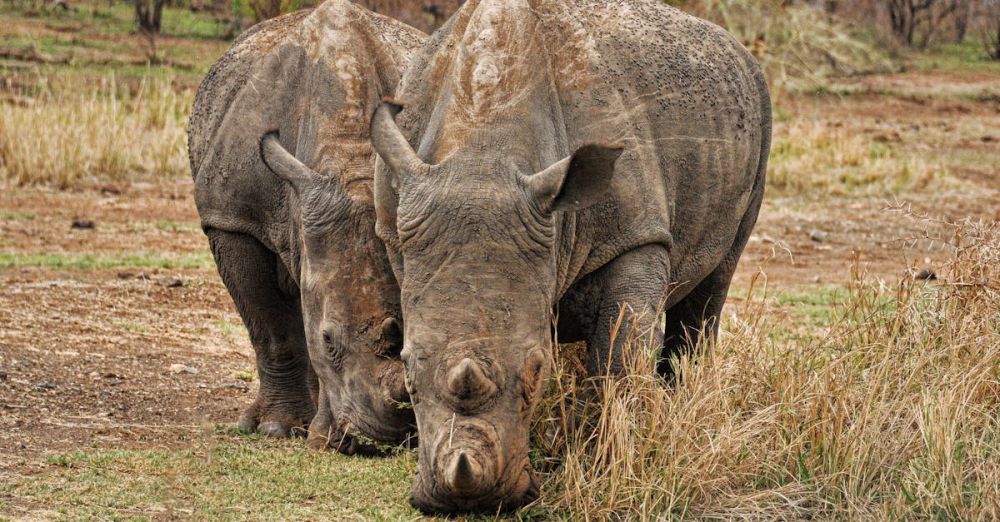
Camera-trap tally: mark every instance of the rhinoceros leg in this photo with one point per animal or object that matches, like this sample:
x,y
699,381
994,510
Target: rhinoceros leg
x,y
637,280
259,285
699,312
694,315
321,428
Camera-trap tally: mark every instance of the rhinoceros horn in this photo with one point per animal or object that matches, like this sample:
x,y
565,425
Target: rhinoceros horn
x,y
463,473
390,143
467,380
283,164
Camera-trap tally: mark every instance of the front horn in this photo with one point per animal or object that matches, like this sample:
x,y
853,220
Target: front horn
x,y
468,381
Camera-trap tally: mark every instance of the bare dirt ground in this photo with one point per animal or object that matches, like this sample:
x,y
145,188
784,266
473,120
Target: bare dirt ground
x,y
123,336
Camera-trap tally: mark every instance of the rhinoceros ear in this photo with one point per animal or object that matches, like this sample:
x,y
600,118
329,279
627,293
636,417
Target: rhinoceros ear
x,y
283,164
577,181
390,143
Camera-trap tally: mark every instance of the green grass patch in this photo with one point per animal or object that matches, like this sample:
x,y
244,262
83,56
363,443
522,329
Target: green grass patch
x,y
819,305
226,328
967,57
245,478
104,261
17,216
131,327
177,226
97,40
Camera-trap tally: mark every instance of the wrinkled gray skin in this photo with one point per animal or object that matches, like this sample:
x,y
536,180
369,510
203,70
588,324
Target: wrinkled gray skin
x,y
563,157
290,219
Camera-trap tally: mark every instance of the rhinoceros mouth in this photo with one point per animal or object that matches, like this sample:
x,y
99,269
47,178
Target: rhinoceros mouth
x,y
356,438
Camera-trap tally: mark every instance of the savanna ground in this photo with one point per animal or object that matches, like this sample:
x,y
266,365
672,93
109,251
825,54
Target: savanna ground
x,y
123,364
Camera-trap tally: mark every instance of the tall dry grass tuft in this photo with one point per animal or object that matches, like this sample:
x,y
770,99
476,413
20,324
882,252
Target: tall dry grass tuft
x,y
61,134
891,413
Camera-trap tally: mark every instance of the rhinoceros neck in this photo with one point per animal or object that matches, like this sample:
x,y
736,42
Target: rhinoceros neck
x,y
354,62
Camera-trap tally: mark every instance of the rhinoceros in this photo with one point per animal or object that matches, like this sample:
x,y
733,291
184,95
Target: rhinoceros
x,y
291,223
584,158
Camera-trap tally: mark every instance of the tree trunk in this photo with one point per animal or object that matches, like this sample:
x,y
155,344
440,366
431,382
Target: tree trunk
x,y
148,14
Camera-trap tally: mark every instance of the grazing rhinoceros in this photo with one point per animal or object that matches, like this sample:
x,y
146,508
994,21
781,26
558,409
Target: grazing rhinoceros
x,y
575,155
295,243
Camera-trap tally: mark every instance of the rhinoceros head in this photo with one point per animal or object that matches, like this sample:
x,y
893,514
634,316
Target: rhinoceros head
x,y
476,258
349,309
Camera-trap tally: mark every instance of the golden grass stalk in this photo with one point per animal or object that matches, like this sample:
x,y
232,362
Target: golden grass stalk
x,y
893,412
63,134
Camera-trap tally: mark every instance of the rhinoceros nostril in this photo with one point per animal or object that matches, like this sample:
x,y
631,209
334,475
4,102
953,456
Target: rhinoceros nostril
x,y
467,380
395,385
464,474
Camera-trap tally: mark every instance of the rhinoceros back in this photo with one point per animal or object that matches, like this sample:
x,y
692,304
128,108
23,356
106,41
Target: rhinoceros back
x,y
691,106
315,77
685,98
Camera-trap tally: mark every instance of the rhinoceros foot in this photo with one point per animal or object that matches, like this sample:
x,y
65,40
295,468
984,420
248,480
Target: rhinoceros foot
x,y
278,420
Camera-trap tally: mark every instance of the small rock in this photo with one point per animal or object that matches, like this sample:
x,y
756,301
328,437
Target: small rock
x,y
926,275
83,224
817,235
46,386
988,139
180,368
3,375
171,282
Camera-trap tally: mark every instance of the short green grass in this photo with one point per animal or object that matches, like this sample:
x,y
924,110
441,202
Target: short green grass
x,y
228,329
176,226
17,216
99,39
230,478
75,261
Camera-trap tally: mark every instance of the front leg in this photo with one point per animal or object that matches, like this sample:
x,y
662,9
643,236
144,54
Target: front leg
x,y
286,401
634,284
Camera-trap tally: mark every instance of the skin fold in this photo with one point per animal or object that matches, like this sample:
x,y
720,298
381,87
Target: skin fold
x,y
556,158
283,167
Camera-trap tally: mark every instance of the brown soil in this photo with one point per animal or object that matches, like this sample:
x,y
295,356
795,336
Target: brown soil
x,y
86,355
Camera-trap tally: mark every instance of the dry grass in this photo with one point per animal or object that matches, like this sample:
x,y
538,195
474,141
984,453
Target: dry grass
x,y
798,45
891,413
815,156
60,133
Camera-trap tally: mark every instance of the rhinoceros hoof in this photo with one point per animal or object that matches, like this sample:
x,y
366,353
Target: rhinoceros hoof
x,y
276,422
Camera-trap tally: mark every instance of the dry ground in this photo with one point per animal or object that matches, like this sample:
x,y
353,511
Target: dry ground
x,y
122,337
